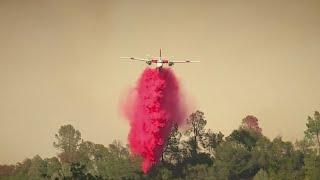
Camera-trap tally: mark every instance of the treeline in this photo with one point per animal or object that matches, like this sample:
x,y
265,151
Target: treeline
x,y
196,153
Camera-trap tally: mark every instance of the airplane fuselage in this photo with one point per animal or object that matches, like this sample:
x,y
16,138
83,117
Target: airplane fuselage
x,y
159,63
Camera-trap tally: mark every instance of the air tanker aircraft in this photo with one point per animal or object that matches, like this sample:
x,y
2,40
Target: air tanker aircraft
x,y
159,61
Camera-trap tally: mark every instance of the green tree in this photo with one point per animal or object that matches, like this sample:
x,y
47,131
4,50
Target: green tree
x,y
68,140
86,156
191,147
53,167
171,153
312,166
117,163
38,168
261,152
164,174
160,171
313,129
284,161
197,123
211,141
22,169
66,170
79,172
261,175
196,172
245,137
233,161
305,146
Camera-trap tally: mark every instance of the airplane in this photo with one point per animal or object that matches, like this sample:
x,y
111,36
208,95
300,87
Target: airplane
x,y
159,61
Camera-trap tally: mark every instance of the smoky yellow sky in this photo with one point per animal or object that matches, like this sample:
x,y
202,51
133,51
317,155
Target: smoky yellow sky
x,y
59,64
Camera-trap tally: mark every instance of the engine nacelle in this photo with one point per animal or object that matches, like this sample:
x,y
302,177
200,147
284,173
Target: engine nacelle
x,y
149,62
171,63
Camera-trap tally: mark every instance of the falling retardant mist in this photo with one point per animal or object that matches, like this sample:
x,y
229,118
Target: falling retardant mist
x,y
153,107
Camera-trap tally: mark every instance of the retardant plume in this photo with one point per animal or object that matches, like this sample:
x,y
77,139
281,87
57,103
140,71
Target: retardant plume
x,y
153,107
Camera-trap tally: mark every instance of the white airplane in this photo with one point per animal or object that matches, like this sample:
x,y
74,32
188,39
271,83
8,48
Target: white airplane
x,y
159,61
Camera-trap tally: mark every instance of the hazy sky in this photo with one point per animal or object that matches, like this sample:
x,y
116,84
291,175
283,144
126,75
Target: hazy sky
x,y
59,64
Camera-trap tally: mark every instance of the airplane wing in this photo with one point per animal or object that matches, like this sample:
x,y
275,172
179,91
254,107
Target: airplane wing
x,y
135,59
186,61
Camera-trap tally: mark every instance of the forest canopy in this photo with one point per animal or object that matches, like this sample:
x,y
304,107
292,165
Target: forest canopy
x,y
195,153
